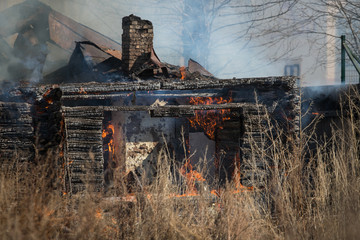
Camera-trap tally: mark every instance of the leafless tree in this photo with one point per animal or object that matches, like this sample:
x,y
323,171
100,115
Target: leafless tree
x,y
279,24
284,21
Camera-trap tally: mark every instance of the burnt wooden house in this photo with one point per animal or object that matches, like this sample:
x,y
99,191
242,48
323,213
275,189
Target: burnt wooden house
x,y
113,107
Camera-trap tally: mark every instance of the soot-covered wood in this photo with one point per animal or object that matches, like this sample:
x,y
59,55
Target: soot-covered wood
x,y
83,149
16,131
47,121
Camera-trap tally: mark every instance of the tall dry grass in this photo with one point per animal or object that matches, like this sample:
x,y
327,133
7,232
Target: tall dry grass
x,y
299,193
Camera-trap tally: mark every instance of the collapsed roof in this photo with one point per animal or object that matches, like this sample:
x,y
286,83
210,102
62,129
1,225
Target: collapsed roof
x,y
36,35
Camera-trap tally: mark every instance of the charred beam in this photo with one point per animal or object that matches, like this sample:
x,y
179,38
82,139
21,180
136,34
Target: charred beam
x,y
286,83
122,95
174,108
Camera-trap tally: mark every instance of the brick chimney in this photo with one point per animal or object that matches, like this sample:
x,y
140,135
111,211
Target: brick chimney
x,y
137,42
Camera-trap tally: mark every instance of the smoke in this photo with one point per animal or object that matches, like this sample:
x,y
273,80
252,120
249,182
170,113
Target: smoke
x,y
23,42
218,34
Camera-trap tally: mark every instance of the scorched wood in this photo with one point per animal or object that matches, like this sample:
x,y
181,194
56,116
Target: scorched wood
x,y
160,108
83,148
16,131
284,83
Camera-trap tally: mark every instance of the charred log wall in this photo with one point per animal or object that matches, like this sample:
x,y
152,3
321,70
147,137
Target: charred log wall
x,y
16,131
254,100
254,142
269,109
228,140
83,149
276,111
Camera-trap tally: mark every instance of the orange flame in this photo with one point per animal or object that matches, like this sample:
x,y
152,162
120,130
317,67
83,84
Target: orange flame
x,y
82,91
215,193
182,72
237,177
47,92
191,176
49,101
209,120
98,214
109,130
108,142
111,145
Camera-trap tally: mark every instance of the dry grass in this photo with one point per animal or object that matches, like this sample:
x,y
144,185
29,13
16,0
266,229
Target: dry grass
x,y
305,196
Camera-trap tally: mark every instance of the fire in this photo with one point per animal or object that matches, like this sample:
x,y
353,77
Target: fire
x,y
182,72
215,193
108,142
48,99
98,214
82,91
315,113
47,92
191,176
237,177
209,120
108,132
238,186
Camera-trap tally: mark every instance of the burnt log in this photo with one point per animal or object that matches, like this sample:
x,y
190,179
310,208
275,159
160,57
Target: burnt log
x,y
286,84
174,108
164,94
83,148
16,131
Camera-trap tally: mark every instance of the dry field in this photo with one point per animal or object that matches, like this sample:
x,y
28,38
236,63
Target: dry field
x,y
306,195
